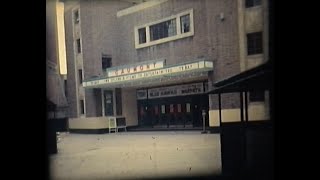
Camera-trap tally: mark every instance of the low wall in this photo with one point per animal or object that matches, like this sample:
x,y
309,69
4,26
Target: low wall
x,y
89,123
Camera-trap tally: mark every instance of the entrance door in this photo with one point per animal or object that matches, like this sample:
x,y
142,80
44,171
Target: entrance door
x,y
172,112
196,112
188,119
162,123
198,104
108,103
179,116
145,113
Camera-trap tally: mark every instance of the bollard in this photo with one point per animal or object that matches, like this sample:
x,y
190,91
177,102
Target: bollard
x,y
204,122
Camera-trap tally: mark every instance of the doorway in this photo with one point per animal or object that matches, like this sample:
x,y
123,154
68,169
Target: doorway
x,y
108,102
173,112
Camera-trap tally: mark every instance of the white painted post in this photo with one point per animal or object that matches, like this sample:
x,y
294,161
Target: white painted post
x,y
204,121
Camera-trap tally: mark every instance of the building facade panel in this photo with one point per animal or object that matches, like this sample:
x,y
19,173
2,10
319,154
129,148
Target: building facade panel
x,y
177,51
71,62
177,31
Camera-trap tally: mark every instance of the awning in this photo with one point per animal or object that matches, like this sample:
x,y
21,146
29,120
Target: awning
x,y
258,78
168,74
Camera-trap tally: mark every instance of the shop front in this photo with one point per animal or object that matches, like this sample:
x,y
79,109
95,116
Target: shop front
x,y
176,106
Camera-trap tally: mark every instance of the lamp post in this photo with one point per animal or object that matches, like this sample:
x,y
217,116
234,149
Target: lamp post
x,y
204,122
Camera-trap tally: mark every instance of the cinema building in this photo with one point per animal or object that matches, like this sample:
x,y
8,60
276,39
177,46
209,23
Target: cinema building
x,y
152,63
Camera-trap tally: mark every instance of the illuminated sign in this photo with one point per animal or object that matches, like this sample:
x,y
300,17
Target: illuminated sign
x,y
169,91
179,90
142,94
188,67
135,68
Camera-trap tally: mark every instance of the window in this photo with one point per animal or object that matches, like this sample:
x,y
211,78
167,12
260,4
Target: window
x,y
185,23
78,46
142,35
256,96
188,107
76,16
179,108
163,30
106,61
118,102
254,43
163,109
65,88
82,106
80,76
252,3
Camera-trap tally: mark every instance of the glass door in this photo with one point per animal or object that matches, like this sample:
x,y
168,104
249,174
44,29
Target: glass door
x,y
108,103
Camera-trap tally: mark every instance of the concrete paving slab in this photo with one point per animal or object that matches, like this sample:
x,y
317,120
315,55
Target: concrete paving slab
x,y
136,155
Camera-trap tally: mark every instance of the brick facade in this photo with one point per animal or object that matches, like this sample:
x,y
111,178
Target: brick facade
x,y
102,32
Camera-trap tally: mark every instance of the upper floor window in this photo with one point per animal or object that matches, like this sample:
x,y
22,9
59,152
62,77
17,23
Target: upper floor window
x,y
65,88
163,30
81,106
185,23
78,46
167,29
80,76
254,43
76,16
142,35
252,3
106,61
